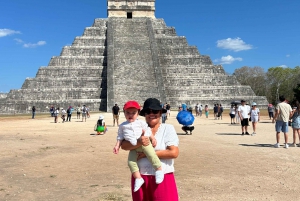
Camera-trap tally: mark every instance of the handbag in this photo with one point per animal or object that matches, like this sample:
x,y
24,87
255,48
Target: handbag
x,y
250,119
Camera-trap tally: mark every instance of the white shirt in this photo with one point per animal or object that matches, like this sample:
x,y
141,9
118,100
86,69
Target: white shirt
x,y
131,131
244,110
232,110
165,136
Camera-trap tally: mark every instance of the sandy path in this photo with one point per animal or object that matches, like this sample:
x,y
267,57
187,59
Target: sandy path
x,y
41,160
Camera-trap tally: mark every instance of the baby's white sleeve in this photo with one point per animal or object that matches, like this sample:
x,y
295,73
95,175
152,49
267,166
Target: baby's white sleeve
x,y
120,134
129,136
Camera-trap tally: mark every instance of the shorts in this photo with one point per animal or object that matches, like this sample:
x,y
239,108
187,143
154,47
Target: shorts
x,y
168,111
116,116
245,122
78,112
254,119
281,126
83,114
188,128
232,116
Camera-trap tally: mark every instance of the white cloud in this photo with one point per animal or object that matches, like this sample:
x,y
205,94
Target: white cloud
x,y
32,45
228,59
19,41
6,32
235,44
283,66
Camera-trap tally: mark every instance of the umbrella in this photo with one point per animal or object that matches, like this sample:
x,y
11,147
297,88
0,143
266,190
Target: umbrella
x,y
235,102
185,118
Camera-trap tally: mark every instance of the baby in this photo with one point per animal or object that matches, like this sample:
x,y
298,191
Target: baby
x,y
131,130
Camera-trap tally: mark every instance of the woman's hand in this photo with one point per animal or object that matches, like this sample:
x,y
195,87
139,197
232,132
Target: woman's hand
x,y
140,155
144,140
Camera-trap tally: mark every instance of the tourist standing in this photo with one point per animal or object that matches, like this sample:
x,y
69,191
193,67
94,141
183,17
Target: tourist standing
x,y
283,112
168,108
243,112
69,113
33,112
232,114
216,108
237,117
52,109
197,109
63,114
206,111
84,110
271,110
166,150
116,114
296,123
200,110
220,112
56,112
78,109
255,117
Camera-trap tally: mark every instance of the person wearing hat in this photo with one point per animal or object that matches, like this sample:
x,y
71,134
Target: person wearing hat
x,y
166,149
100,126
131,130
254,115
243,112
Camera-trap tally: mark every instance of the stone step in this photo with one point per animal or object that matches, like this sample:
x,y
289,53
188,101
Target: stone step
x,y
50,72
84,51
89,41
94,31
178,41
78,61
43,83
99,22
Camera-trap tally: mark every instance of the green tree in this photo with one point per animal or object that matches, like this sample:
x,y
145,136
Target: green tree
x,y
297,92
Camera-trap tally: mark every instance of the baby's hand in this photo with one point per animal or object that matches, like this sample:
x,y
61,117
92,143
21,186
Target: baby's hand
x,y
116,150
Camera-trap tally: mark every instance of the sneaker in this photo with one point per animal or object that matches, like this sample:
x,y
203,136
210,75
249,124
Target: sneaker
x,y
286,146
247,133
159,176
293,145
276,145
243,133
138,183
299,145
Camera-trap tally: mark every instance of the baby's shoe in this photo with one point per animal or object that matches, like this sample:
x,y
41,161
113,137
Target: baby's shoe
x,y
159,176
138,183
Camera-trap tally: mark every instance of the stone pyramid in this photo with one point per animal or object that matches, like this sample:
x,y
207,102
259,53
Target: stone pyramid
x,y
129,55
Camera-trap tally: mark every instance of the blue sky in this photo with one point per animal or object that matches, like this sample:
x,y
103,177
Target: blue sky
x,y
233,33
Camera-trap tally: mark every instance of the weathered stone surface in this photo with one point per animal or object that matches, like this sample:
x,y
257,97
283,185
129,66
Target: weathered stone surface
x,y
119,59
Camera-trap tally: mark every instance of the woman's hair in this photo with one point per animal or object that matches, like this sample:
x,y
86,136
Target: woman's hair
x,y
298,105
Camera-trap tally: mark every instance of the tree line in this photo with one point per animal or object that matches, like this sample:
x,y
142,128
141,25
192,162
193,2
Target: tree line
x,y
273,83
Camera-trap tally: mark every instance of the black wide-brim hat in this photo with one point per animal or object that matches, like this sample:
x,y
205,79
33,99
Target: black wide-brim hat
x,y
153,104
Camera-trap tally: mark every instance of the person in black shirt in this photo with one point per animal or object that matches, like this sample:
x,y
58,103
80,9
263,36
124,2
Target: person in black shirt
x,y
116,113
33,112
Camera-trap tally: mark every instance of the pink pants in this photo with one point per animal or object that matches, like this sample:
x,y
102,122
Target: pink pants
x,y
150,191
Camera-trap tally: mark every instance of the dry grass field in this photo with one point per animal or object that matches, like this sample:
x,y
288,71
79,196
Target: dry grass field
x,y
41,160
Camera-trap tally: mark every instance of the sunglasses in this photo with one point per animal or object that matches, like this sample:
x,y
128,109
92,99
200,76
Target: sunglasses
x,y
149,111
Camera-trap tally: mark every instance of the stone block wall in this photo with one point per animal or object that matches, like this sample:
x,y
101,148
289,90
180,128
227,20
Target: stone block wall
x,y
78,76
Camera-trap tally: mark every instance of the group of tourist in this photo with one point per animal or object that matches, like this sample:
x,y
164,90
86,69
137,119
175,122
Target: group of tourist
x,y
66,115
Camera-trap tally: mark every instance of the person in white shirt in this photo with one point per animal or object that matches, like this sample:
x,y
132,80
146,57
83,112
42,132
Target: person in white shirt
x,y
131,130
254,117
232,114
63,114
244,112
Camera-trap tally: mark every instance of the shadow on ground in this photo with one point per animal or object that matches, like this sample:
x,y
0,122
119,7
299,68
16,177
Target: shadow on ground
x,y
257,145
228,133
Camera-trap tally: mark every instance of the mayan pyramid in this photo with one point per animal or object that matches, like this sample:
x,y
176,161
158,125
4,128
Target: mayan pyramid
x,y
129,55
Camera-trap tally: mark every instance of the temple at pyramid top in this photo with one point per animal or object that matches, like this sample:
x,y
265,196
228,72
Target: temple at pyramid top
x,y
131,8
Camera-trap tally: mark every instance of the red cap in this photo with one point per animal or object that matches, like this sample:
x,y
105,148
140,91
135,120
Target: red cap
x,y
131,104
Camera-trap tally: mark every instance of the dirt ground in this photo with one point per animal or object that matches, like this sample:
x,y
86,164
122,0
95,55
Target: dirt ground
x,y
41,160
